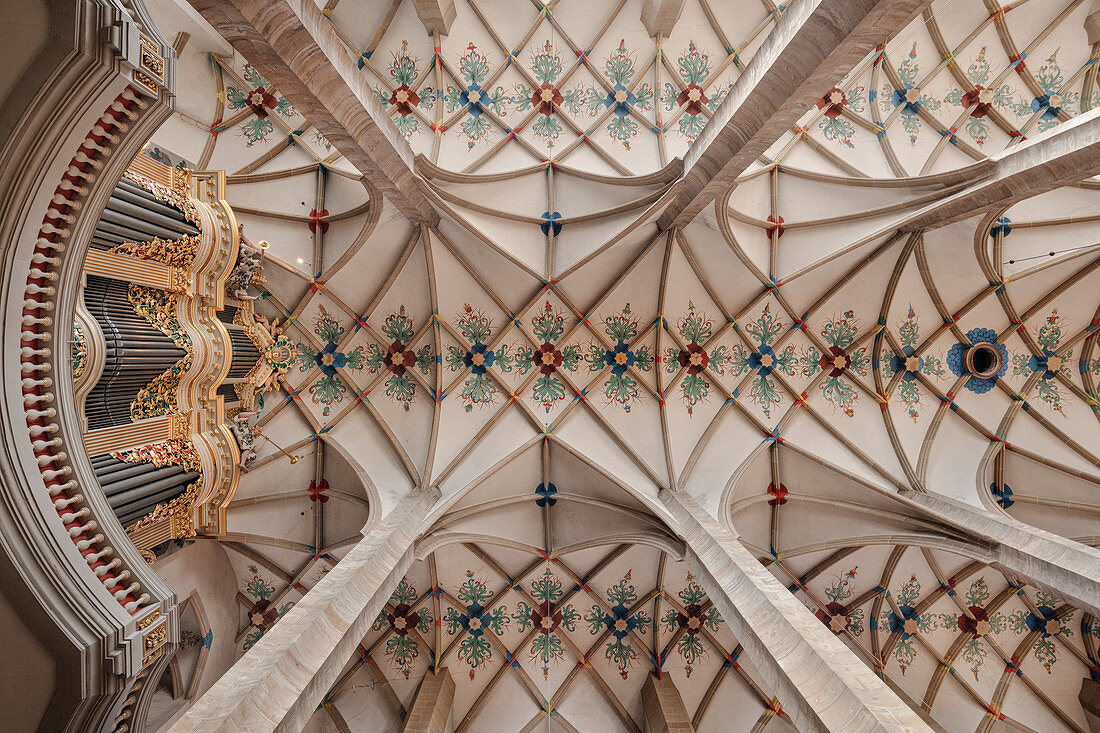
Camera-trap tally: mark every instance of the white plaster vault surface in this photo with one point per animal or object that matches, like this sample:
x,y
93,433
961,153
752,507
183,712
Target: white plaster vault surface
x,y
804,462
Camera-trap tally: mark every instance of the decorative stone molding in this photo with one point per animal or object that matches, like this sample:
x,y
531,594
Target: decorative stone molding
x,y
75,576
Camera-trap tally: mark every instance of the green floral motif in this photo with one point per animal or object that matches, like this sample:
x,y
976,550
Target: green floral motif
x,y
477,328
840,334
905,623
1048,363
977,622
980,100
695,330
909,98
546,65
623,618
909,364
620,386
693,67
475,621
1053,100
262,614
329,389
548,358
545,617
763,360
473,67
404,99
696,616
833,124
619,69
401,620
262,100
399,358
835,614
1046,622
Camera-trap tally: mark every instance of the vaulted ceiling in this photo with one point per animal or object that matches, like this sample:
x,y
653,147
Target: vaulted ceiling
x,y
548,358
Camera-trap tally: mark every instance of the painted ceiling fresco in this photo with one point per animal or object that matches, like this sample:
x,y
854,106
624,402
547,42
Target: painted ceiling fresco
x,y
792,358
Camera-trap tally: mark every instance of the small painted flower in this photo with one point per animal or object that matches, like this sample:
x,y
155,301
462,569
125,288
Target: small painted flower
x,y
833,103
479,358
546,98
694,357
692,99
404,99
549,358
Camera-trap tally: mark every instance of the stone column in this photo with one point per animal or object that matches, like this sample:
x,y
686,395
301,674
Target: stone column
x,y
664,708
431,710
1066,568
819,681
279,682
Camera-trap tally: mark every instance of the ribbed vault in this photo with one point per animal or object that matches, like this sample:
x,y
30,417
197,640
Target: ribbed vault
x,y
827,339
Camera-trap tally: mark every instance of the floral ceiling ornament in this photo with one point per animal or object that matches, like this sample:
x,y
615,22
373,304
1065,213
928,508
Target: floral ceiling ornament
x,y
620,387
977,622
548,358
1046,620
619,69
911,365
983,360
263,613
545,618
906,622
624,617
546,98
980,100
764,360
477,328
835,614
693,67
834,126
404,623
909,97
1048,363
261,100
475,620
403,98
328,388
841,358
399,358
1055,100
695,330
696,616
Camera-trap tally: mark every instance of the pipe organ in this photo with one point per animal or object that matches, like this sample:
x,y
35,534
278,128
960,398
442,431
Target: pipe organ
x,y
166,350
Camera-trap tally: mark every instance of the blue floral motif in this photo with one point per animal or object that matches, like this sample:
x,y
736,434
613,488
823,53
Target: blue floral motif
x,y
898,624
621,98
1050,108
472,98
479,358
763,360
1041,363
329,360
619,365
898,364
1041,622
1003,494
545,495
956,359
475,620
620,621
909,97
551,220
